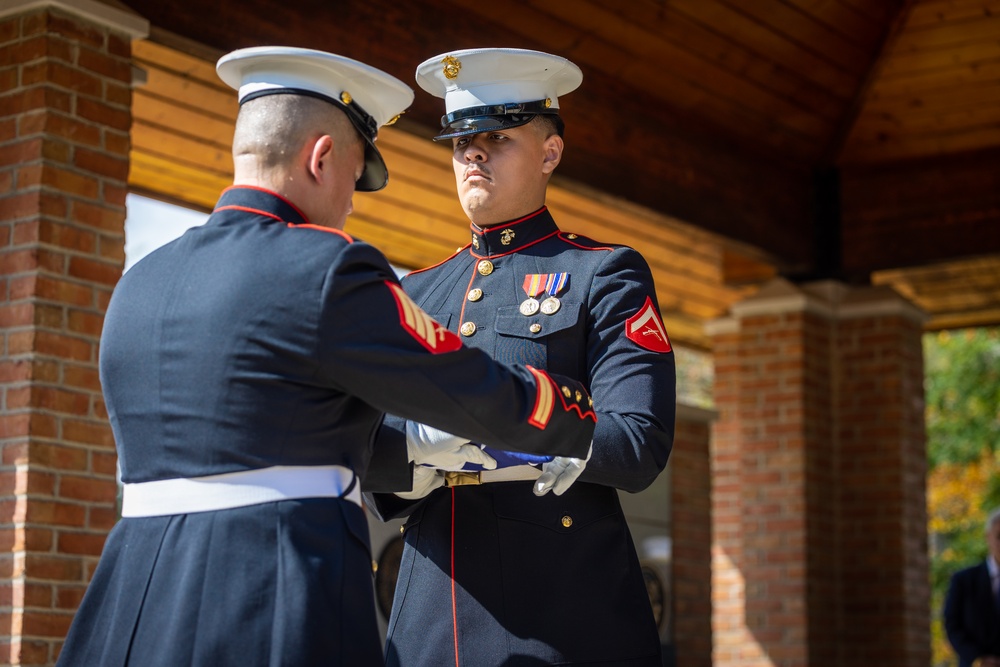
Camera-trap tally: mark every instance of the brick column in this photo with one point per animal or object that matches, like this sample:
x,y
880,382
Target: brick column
x,y
65,115
820,551
691,537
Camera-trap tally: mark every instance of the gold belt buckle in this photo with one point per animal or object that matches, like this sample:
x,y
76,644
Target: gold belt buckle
x,y
462,478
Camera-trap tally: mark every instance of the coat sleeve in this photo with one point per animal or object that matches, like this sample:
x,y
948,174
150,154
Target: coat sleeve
x,y
631,375
377,345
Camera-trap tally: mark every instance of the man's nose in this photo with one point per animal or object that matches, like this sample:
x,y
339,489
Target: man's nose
x,y
475,151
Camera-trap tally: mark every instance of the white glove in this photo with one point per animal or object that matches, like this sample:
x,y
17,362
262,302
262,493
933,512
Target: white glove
x,y
435,448
560,473
425,480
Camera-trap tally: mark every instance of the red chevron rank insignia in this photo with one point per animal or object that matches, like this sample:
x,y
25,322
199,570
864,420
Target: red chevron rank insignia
x,y
422,326
646,329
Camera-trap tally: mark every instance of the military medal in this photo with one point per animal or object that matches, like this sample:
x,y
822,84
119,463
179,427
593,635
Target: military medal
x,y
533,286
553,285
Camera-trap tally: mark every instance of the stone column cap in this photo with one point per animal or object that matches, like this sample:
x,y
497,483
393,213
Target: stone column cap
x,y
827,298
111,14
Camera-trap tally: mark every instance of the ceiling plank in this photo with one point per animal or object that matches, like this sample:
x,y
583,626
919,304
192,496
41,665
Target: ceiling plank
x,y
754,36
843,20
935,12
910,147
910,84
723,52
967,54
878,127
807,33
876,12
947,34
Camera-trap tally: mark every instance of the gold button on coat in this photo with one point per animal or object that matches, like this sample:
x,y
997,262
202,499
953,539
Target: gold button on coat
x,y
468,328
475,294
535,328
485,267
567,521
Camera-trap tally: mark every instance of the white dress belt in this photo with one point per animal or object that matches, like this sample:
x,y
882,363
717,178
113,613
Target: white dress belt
x,y
238,489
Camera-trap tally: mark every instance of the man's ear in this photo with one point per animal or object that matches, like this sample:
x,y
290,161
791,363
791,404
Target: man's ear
x,y
320,157
553,147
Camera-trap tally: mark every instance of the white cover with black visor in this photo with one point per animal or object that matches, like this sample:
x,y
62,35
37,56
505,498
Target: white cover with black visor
x,y
370,97
496,88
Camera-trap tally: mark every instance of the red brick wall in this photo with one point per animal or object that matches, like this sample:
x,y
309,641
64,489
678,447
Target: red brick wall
x,y
761,460
883,478
691,538
65,112
728,585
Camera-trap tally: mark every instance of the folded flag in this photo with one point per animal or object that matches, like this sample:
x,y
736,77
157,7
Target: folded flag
x,y
509,459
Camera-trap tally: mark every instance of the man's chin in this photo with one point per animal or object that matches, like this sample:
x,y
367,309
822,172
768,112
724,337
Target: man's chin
x,y
475,203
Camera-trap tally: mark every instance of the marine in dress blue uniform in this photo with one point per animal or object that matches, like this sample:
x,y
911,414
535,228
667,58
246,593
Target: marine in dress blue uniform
x,y
246,367
492,575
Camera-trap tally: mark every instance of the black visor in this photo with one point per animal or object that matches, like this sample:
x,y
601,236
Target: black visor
x,y
492,117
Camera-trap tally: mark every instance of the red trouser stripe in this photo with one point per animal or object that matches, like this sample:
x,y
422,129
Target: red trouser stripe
x,y
454,603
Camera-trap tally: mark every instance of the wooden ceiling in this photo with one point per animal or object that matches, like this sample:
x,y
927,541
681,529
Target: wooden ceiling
x,y
856,140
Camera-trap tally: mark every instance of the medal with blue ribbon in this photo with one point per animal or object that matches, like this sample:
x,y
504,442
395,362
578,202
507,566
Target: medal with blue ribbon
x,y
555,283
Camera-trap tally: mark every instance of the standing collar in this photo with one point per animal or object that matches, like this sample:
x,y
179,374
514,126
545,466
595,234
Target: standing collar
x,y
259,200
508,237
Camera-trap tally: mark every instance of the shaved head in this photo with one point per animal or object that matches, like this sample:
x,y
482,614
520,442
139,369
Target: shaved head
x,y
271,129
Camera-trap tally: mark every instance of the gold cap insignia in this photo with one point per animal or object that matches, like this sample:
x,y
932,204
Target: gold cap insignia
x,y
452,66
346,98
506,236
392,121
548,102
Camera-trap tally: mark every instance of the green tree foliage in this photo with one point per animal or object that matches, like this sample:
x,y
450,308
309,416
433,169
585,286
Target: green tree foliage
x,y
963,394
962,390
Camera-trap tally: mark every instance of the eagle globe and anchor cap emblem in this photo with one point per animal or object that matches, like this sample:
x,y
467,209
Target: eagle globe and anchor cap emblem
x,y
452,66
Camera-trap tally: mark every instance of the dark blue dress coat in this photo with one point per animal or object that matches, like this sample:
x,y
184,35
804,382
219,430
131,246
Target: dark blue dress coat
x,y
492,575
260,340
971,615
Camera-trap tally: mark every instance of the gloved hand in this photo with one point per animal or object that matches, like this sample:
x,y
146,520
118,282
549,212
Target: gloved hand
x,y
560,473
434,448
425,480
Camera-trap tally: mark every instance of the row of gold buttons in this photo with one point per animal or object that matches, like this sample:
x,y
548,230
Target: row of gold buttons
x,y
485,268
